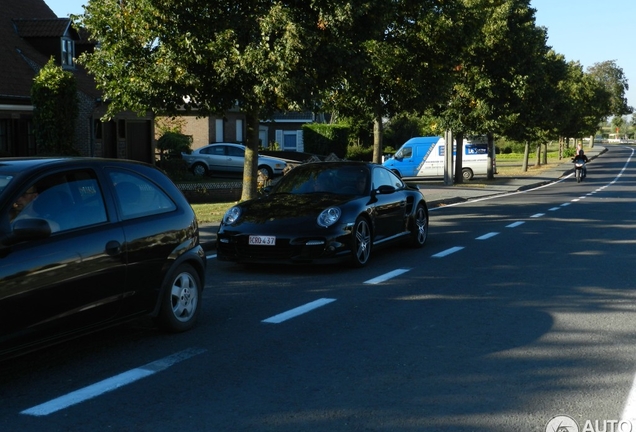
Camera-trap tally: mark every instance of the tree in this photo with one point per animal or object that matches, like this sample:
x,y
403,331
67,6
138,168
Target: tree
x,y
400,58
55,110
497,74
585,102
172,55
612,78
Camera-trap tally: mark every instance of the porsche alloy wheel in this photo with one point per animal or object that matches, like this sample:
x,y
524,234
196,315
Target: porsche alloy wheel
x,y
361,242
419,227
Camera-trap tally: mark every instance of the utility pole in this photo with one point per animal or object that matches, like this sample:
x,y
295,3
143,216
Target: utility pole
x,y
448,158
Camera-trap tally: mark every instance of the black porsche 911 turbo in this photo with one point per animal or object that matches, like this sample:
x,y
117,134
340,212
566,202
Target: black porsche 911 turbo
x,y
325,212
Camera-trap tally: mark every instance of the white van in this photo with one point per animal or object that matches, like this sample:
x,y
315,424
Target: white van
x,y
424,157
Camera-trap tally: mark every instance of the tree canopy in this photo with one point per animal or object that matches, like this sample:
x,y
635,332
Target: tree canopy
x,y
482,64
172,55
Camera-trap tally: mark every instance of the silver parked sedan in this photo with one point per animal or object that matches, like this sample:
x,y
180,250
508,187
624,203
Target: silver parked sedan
x,y
229,158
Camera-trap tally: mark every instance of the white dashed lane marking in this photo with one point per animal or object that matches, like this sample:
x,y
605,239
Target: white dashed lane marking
x,y
277,319
448,252
487,236
111,384
386,276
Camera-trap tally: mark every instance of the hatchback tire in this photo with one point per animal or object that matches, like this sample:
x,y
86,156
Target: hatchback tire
x,y
181,300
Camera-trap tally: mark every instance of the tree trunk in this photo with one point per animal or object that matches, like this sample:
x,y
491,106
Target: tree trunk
x,y
545,154
459,150
526,155
537,162
377,138
250,169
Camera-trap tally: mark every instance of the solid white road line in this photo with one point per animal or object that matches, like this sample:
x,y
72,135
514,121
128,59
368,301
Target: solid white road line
x,y
448,252
386,276
277,319
110,384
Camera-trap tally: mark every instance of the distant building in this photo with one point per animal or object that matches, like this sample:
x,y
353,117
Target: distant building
x,y
30,34
284,129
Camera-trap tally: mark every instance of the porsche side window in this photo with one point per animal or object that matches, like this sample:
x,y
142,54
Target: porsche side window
x,y
138,196
381,178
395,180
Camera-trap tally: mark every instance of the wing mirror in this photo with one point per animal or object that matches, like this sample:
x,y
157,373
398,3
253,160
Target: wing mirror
x,y
27,229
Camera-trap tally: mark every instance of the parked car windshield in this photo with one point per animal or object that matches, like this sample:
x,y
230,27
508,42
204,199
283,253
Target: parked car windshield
x,y
341,180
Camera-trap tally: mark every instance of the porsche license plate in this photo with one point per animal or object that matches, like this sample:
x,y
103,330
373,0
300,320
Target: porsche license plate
x,y
262,240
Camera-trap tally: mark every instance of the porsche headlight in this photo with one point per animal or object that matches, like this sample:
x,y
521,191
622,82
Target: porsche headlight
x,y
232,215
329,217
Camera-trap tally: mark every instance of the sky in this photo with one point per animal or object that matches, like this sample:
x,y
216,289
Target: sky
x,y
587,31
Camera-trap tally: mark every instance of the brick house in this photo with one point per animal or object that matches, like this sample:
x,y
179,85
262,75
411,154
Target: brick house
x,y
283,128
30,34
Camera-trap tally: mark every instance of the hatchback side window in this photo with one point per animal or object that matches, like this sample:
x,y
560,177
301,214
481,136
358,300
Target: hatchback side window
x,y
138,196
67,200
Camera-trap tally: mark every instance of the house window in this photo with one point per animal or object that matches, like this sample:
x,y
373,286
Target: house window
x,y
4,136
218,130
289,140
68,53
121,129
239,130
97,129
31,145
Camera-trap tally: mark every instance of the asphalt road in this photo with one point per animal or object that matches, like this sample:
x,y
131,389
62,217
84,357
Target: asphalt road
x,y
520,308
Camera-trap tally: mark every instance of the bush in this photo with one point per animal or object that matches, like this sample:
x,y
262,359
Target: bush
x,y
176,169
172,144
569,152
359,153
324,139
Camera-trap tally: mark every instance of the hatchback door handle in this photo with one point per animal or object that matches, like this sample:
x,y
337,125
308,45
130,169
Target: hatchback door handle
x,y
113,248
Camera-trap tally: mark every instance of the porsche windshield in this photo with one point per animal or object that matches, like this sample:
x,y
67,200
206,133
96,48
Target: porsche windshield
x,y
341,180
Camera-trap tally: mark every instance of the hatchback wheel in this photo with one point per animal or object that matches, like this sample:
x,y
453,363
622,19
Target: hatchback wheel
x,y
181,299
361,242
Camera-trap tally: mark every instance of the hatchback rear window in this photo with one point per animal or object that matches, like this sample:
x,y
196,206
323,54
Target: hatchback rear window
x,y
138,196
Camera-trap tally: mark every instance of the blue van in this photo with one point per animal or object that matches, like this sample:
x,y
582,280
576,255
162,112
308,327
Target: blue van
x,y
424,157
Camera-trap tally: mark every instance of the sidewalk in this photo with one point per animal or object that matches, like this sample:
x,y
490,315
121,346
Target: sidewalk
x,y
438,194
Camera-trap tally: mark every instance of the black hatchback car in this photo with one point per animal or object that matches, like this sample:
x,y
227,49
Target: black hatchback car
x,y
86,243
